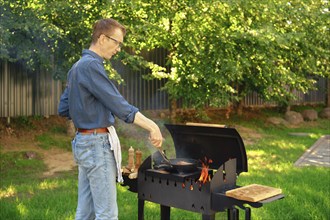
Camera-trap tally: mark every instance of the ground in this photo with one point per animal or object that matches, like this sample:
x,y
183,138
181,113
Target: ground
x,y
12,138
20,135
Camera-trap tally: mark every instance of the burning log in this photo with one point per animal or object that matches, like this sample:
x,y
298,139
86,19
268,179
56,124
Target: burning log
x,y
205,177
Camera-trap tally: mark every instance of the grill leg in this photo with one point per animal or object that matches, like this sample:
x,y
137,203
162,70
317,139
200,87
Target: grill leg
x,y
233,214
247,213
165,212
236,213
208,217
140,209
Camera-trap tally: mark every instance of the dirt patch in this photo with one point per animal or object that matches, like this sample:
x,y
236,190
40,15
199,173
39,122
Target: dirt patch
x,y
20,136
249,135
56,159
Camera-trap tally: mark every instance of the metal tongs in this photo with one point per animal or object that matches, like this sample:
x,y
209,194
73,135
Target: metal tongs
x,y
163,155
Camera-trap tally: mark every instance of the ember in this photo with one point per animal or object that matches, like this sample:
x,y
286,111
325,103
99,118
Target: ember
x,y
205,177
191,187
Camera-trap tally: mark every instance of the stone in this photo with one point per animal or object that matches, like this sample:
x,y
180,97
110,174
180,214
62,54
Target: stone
x,y
277,121
30,155
163,115
325,113
309,115
293,117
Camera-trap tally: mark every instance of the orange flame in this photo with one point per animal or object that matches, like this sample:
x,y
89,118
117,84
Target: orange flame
x,y
191,187
205,177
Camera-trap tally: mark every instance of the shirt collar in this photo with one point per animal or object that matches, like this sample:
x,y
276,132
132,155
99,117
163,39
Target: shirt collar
x,y
93,54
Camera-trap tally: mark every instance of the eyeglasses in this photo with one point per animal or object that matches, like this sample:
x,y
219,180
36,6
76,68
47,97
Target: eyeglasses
x,y
120,44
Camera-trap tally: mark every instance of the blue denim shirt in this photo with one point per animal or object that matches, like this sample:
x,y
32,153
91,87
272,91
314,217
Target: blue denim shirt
x,y
90,99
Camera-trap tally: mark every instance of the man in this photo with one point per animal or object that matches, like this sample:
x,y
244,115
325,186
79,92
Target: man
x,y
92,101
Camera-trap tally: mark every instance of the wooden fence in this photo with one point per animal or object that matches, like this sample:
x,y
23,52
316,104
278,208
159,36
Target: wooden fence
x,y
24,94
38,94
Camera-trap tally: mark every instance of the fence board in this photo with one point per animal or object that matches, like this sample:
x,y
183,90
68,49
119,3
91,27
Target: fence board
x,y
23,94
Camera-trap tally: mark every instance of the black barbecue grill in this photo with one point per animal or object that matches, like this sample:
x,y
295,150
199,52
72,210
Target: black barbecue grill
x,y
182,190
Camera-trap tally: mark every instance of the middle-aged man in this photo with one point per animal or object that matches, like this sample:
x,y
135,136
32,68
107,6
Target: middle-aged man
x,y
92,101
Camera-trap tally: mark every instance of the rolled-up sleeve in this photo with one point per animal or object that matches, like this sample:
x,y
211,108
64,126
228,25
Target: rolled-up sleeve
x,y
130,118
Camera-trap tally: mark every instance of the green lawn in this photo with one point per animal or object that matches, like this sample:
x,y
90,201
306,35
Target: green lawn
x,y
25,194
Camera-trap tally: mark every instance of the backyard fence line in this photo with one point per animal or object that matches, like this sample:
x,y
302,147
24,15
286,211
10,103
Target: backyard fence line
x,y
38,94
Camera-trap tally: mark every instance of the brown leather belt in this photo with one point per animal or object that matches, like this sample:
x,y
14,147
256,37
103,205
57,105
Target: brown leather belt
x,y
90,131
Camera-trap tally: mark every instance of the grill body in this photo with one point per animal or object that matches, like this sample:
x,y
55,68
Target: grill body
x,y
171,190
182,190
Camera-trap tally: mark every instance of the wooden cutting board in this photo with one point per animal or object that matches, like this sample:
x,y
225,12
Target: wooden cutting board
x,y
253,192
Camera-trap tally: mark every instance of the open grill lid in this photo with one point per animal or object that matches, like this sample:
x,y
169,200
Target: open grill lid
x,y
216,143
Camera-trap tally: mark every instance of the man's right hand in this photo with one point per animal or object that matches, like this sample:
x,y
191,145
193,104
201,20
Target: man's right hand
x,y
156,138
155,135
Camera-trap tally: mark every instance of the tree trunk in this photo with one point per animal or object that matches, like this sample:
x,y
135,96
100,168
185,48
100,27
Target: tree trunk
x,y
328,91
240,106
173,108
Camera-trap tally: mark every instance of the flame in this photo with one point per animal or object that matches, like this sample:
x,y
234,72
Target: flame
x,y
205,177
191,187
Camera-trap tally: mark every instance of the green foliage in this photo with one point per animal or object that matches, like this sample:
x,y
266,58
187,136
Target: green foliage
x,y
24,121
222,50
219,51
27,38
47,34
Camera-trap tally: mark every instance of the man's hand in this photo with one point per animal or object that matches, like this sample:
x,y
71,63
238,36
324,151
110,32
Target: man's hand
x,y
156,138
155,135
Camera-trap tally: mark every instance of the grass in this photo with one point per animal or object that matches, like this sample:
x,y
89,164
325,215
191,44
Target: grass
x,y
271,162
26,194
54,137
16,166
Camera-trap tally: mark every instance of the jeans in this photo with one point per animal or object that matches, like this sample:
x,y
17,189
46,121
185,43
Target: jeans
x,y
97,193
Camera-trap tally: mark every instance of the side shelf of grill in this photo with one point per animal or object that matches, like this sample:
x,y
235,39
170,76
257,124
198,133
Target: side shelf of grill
x,y
221,202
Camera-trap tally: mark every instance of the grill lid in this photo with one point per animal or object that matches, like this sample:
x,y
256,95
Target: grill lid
x,y
216,143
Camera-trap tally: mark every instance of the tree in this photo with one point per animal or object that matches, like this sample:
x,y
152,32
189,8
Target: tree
x,y
219,51
47,34
25,38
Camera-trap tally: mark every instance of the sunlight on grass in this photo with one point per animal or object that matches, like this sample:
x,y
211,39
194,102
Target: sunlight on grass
x,y
8,192
257,158
315,136
151,205
285,145
70,217
121,189
23,210
260,160
48,185
31,190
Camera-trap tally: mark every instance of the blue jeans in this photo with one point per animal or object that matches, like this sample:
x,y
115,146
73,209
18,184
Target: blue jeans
x,y
97,193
